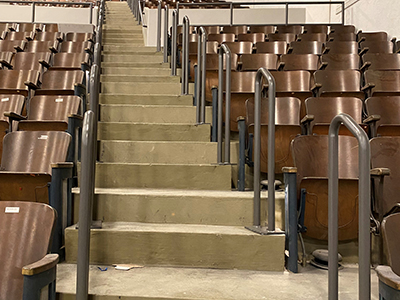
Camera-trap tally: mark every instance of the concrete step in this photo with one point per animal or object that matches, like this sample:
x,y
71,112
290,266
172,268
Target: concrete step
x,y
163,176
133,58
159,152
141,78
146,99
120,72
129,49
179,206
122,27
158,88
118,41
151,283
131,29
181,245
135,65
153,132
130,35
151,113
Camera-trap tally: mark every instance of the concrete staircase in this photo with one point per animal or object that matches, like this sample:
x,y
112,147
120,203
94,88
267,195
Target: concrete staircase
x,y
162,198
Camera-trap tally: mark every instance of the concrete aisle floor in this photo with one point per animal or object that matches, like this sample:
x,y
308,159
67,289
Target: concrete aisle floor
x,y
188,283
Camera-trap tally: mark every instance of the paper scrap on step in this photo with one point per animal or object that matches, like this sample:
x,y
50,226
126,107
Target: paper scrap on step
x,y
126,267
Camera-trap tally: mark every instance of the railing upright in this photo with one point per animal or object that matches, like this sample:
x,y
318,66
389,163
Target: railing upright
x,y
264,73
166,17
173,42
159,26
185,56
364,196
201,75
224,49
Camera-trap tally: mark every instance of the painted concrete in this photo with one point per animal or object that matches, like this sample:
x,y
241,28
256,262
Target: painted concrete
x,y
146,99
106,72
141,78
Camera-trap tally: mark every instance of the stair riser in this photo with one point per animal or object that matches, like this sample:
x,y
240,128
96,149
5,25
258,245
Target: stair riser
x,y
201,177
135,65
123,42
152,114
118,48
179,210
140,78
218,251
146,99
136,71
140,88
133,58
153,132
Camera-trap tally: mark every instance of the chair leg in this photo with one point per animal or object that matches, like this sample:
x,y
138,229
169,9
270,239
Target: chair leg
x,y
242,156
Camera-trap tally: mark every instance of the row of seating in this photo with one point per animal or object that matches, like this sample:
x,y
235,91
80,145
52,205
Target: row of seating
x,y
46,36
23,27
52,46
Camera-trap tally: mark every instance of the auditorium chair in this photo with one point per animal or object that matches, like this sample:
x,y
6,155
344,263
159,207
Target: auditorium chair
x,y
235,29
252,62
38,61
342,36
389,276
71,61
310,155
13,46
307,47
77,47
318,37
376,47
314,28
26,231
372,36
34,169
49,36
276,47
266,29
193,37
338,28
287,37
292,62
333,61
51,27
240,47
381,61
211,48
383,115
337,83
7,26
321,111
212,29
221,37
252,37
296,29
381,83
25,27
5,60
21,82
13,35
341,47
79,37
45,46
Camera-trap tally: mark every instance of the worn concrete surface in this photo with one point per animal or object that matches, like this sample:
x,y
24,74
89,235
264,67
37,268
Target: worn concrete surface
x,y
147,99
140,78
137,71
199,284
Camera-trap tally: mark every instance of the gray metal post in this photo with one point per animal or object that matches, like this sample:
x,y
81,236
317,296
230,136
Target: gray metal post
x,y
91,13
343,16
33,11
85,206
364,280
231,14
159,26
173,43
224,49
201,75
185,56
287,13
166,16
241,164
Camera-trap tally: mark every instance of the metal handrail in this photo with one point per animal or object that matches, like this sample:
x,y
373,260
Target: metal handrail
x,y
201,75
140,20
364,193
166,17
159,26
185,56
224,49
231,6
173,42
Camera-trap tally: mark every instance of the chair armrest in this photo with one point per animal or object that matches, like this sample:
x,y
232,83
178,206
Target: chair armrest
x,y
14,116
316,87
323,65
62,165
372,119
393,40
289,170
363,51
362,39
326,50
46,263
281,66
44,63
305,124
307,119
388,277
31,85
380,172
289,50
214,87
365,66
74,116
369,86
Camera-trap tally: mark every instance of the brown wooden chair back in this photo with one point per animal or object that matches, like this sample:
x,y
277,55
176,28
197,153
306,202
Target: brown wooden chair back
x,y
31,61
212,29
382,61
222,38
307,47
313,28
60,82
342,28
236,29
377,46
296,29
73,47
49,36
308,62
342,36
385,83
240,47
45,46
13,35
310,154
266,29
26,230
193,37
50,27
388,108
252,62
13,46
13,81
276,47
287,37
79,37
71,61
333,61
211,47
25,27
373,36
317,37
252,37
339,83
341,47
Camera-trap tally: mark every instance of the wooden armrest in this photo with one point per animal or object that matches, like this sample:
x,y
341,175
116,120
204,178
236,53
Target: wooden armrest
x,y
289,50
46,263
388,277
393,40
18,48
214,87
80,85
361,40
331,39
53,49
326,50
240,118
289,170
14,116
323,65
316,87
63,165
363,51
365,66
368,86
31,85
307,119
44,63
380,172
281,66
75,116
372,119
